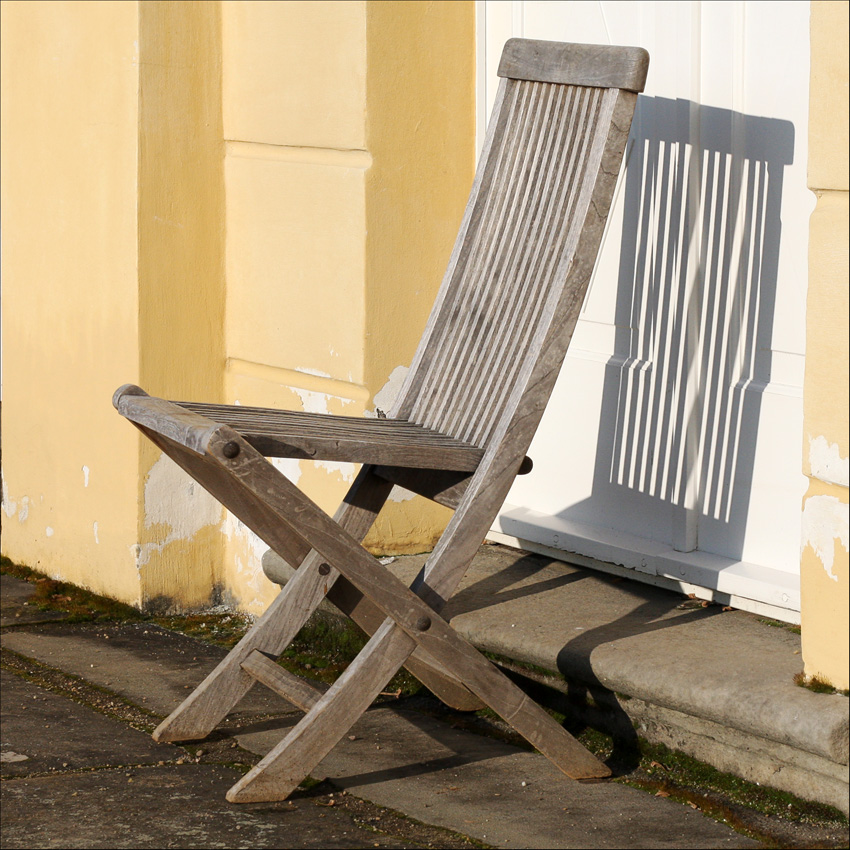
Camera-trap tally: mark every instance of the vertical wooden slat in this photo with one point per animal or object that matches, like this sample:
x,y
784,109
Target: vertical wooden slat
x,y
516,239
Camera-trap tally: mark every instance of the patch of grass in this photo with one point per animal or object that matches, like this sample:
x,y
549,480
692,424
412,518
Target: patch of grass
x,y
683,771
778,624
662,768
818,685
80,605
751,809
321,650
308,783
503,660
220,627
655,768
325,647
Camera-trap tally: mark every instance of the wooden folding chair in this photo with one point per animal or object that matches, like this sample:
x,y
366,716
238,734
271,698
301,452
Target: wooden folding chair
x,y
458,432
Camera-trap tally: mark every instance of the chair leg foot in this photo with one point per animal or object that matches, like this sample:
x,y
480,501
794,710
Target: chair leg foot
x,y
277,775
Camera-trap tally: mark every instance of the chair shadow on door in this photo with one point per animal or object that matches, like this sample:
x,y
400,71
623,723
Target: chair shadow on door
x,y
682,395
695,305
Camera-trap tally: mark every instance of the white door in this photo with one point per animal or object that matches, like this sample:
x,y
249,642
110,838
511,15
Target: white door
x,y
672,444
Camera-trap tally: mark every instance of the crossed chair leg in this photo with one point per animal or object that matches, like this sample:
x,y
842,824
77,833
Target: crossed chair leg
x,y
405,629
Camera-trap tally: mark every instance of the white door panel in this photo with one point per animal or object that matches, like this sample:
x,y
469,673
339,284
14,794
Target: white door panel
x,y
677,418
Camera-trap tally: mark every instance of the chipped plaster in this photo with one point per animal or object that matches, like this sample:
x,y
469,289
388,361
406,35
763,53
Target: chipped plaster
x,y
826,462
399,494
386,396
288,466
174,500
825,520
10,508
312,401
247,550
346,471
318,373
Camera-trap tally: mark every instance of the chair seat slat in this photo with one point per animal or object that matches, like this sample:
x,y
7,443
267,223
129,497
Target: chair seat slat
x,y
286,433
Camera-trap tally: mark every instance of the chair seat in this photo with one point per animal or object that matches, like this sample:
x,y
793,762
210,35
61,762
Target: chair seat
x,y
319,436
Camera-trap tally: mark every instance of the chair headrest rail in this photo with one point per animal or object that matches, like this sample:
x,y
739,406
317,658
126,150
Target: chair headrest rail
x,y
600,65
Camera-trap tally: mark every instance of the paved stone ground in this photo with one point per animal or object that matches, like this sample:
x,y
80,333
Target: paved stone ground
x,y
77,774
91,780
80,770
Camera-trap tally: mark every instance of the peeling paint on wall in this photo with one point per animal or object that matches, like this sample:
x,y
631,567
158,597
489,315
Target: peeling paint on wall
x,y
174,500
318,373
346,471
317,402
825,519
386,396
24,511
247,553
48,531
94,529
85,476
10,508
826,462
289,466
312,401
399,494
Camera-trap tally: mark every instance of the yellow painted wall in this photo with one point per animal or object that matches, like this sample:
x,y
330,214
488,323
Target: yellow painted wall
x,y
243,201
825,583
255,202
113,272
70,81
294,122
181,285
421,134
350,144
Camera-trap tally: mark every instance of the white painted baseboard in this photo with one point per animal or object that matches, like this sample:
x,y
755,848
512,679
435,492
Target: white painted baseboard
x,y
747,586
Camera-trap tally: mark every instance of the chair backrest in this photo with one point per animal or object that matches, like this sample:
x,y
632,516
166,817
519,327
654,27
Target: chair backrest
x,y
529,236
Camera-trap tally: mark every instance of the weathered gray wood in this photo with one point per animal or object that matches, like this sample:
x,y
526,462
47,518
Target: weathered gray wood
x,y
202,710
252,472
207,473
293,434
281,770
439,680
496,304
296,689
476,390
489,486
182,426
575,64
207,705
441,486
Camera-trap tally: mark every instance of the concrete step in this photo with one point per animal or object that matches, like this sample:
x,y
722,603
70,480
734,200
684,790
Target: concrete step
x,y
717,685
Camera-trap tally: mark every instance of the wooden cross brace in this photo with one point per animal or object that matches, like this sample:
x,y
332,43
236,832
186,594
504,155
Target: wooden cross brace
x,y
405,629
